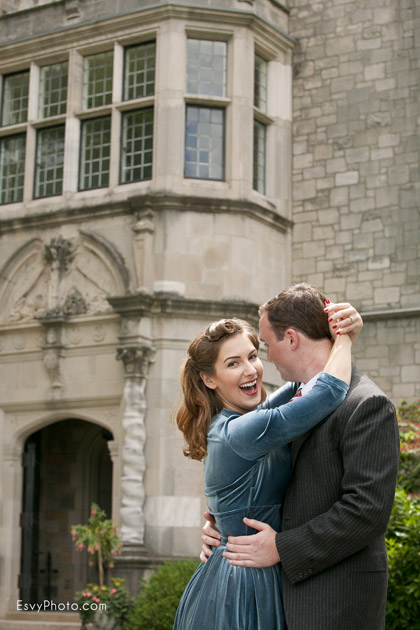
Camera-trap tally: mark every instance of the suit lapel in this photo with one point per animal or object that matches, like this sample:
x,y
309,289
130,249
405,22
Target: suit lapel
x,y
298,443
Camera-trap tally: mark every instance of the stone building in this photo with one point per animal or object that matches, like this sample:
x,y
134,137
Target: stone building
x,y
162,165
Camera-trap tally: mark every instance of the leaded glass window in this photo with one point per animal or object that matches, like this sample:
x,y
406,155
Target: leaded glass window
x,y
49,162
53,90
15,98
137,146
139,71
97,79
12,168
95,153
260,83
206,67
260,132
204,142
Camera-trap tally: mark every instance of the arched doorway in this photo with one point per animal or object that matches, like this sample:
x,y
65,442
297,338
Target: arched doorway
x,y
67,466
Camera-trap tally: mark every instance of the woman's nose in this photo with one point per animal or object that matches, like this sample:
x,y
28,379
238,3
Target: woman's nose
x,y
250,368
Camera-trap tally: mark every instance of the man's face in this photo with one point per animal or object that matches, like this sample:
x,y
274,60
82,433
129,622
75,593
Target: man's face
x,y
278,352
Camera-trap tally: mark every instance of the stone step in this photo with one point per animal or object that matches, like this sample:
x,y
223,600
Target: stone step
x,y
40,621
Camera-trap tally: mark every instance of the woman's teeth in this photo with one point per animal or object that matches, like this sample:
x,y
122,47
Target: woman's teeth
x,y
249,386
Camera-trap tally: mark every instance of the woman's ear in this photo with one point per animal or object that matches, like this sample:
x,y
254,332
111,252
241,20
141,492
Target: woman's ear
x,y
208,380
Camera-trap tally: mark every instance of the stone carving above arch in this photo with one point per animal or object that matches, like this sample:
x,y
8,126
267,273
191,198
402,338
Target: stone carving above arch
x,y
63,277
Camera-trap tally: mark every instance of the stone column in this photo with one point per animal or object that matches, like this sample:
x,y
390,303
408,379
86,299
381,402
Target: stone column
x,y
144,229
135,560
11,456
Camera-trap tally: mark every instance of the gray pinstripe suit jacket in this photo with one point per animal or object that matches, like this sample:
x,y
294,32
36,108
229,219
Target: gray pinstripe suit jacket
x,y
335,515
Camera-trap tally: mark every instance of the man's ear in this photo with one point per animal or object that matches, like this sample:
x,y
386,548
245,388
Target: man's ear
x,y
292,338
208,380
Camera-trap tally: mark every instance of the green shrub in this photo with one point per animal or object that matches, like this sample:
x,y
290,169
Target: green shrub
x,y
156,605
403,546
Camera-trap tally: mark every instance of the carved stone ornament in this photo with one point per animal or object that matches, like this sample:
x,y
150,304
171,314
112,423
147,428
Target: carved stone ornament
x,y
136,360
72,9
63,277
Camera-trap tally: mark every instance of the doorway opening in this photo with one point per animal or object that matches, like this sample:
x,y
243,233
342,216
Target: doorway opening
x,y
67,467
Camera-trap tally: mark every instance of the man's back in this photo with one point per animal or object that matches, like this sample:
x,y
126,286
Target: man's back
x,y
336,512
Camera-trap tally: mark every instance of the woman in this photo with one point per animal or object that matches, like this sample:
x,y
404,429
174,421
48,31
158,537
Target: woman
x,y
247,463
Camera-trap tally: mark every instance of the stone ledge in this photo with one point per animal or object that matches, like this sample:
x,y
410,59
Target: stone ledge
x,y
398,313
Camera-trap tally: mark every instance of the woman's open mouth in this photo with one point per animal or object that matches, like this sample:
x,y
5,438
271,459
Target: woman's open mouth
x,y
251,388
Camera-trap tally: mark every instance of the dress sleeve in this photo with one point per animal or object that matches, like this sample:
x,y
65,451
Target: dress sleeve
x,y
254,434
280,397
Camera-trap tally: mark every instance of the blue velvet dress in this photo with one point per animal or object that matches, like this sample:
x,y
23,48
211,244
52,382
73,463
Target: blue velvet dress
x,y
246,472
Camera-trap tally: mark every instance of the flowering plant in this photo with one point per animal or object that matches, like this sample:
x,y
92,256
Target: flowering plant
x,y
111,602
409,424
100,538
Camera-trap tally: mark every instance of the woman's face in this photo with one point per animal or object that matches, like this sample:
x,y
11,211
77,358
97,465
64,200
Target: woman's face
x,y
237,377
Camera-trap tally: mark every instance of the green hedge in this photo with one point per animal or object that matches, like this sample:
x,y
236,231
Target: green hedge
x,y
156,605
403,546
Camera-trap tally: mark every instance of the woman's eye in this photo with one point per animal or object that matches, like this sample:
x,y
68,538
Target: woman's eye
x,y
232,363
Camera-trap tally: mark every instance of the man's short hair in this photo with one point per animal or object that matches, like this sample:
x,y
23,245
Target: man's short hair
x,y
301,307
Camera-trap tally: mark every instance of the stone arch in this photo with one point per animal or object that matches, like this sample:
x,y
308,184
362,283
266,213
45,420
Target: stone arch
x,y
67,276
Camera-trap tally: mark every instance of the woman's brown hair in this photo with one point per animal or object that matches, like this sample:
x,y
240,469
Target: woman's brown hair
x,y
200,403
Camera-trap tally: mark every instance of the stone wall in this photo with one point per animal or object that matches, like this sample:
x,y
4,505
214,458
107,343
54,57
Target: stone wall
x,y
356,171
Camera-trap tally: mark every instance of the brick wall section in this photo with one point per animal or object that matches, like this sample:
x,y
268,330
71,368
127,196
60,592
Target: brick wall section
x,y
356,169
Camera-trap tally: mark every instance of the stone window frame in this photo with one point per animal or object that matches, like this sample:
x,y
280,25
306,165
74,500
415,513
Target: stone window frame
x,y
49,164
75,116
12,178
46,105
132,170
209,102
263,122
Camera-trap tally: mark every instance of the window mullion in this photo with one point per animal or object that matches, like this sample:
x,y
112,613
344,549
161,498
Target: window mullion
x,y
115,148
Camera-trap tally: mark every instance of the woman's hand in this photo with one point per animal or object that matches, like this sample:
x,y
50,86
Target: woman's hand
x,y
209,538
344,319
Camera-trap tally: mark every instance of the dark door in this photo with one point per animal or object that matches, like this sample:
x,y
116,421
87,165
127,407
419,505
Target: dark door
x,y
28,581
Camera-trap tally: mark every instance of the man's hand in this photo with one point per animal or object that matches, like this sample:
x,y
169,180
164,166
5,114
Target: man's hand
x,y
258,550
209,538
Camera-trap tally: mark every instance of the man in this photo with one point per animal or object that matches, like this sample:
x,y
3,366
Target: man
x,y
341,490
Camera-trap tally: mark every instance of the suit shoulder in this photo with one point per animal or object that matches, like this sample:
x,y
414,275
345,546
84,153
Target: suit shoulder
x,y
362,388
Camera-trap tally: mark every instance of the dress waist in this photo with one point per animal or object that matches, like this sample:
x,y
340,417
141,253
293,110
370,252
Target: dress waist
x,y
230,523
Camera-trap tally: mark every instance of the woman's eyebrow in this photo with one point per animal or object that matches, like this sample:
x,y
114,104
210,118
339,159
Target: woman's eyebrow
x,y
230,358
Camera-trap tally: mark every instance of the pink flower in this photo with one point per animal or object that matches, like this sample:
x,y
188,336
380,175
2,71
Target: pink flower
x,y
112,591
91,564
89,594
96,599
111,565
93,512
